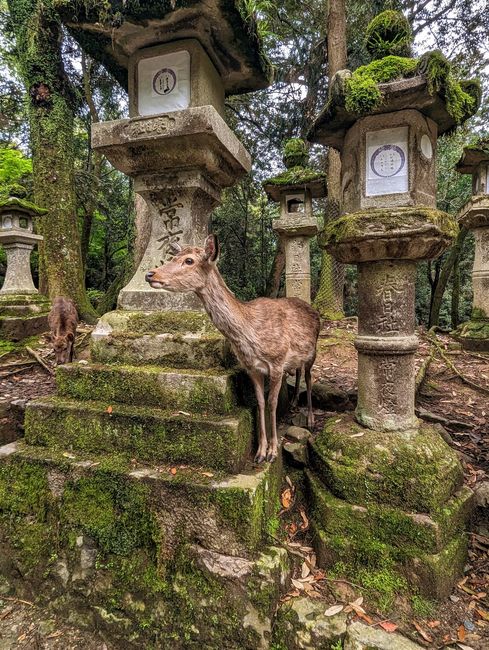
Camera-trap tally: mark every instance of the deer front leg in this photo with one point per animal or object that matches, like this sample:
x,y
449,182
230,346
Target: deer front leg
x,y
295,399
258,384
275,384
310,414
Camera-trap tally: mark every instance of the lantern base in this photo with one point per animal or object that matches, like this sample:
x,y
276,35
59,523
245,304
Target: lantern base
x,y
393,502
474,335
23,315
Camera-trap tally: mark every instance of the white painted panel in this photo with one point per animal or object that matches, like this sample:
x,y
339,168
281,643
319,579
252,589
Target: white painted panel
x,y
387,162
164,83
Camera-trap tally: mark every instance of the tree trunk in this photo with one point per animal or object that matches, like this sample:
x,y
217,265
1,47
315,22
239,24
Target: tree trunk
x,y
455,293
38,35
444,276
329,298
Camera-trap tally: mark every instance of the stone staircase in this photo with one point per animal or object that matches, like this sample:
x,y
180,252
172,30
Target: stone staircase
x,y
132,504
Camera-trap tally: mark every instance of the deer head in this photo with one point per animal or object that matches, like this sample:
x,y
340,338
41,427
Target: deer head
x,y
188,270
62,347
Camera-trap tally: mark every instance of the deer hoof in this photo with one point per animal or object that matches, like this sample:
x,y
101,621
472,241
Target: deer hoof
x,y
259,458
271,456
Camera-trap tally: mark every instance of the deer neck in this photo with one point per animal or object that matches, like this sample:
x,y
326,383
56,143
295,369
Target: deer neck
x,y
224,309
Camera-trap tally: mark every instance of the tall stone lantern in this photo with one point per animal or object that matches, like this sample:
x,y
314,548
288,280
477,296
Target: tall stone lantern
x,y
23,312
387,489
295,189
474,335
156,430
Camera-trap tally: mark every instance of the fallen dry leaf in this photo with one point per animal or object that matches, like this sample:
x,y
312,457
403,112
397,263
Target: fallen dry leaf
x,y
298,585
173,471
208,474
286,498
461,633
433,624
109,409
305,571
388,626
334,609
424,634
482,613
305,520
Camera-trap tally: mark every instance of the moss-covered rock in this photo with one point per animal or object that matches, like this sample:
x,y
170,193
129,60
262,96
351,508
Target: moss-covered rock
x,y
21,204
416,470
295,153
144,432
474,334
389,33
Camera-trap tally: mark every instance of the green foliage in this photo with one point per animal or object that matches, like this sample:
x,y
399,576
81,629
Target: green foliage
x,y
422,607
15,168
295,153
389,33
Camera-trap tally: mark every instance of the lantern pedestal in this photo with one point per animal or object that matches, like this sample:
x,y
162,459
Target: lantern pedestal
x,y
23,312
391,499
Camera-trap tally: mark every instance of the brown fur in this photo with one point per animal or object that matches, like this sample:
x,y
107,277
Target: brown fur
x,y
63,320
269,336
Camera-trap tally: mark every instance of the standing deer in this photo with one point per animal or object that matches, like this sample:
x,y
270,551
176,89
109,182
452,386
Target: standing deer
x,y
62,321
269,336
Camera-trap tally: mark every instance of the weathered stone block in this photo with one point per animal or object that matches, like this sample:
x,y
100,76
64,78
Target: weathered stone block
x,y
170,339
17,328
149,557
210,391
143,432
415,470
366,637
407,531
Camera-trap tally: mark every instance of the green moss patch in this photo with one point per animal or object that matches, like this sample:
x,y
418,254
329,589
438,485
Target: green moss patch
x,y
146,433
21,204
389,33
415,471
296,176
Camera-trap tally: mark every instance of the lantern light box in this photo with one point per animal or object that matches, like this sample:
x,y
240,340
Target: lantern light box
x,y
173,77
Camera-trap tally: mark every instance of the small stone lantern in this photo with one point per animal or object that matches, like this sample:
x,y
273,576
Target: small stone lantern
x,y
474,335
384,465
294,189
22,310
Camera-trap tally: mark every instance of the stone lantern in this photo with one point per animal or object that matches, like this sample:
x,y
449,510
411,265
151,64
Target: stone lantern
x,y
156,430
474,335
23,312
383,477
294,189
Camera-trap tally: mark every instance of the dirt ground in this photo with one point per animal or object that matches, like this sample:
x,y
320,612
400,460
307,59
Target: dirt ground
x,y
461,406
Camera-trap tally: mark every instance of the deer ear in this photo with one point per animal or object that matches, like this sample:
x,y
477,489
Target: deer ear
x,y
211,247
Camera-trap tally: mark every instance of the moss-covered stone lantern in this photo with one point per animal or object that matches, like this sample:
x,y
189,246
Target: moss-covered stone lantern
x,y
23,312
294,189
142,463
385,477
474,334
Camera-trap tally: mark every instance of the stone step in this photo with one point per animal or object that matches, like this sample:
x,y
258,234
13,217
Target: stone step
x,y
135,543
144,433
210,391
171,339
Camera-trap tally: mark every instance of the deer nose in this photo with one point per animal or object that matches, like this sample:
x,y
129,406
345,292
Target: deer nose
x,y
149,275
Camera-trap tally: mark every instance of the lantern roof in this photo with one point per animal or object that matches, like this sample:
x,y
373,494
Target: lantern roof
x,y
395,83
473,156
21,205
112,31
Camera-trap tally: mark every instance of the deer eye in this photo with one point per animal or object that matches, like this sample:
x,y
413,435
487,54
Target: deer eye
x,y
189,261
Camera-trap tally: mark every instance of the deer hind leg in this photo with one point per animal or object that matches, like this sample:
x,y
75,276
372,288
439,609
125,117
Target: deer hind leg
x,y
295,399
310,414
275,384
258,384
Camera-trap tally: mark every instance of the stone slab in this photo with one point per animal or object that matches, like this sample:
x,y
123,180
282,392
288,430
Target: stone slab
x,y
19,328
145,433
211,391
415,470
302,625
386,525
170,339
366,637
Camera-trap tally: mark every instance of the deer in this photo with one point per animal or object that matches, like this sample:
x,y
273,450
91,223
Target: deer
x,y
63,321
269,336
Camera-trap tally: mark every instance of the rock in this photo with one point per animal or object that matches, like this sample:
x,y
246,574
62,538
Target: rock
x,y
302,625
17,410
300,419
4,408
297,434
482,494
295,453
443,433
329,397
363,637
224,566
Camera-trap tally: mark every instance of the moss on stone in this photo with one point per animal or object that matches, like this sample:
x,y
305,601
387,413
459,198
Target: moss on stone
x,y
479,314
295,153
21,204
474,329
172,322
296,176
362,94
357,224
389,33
